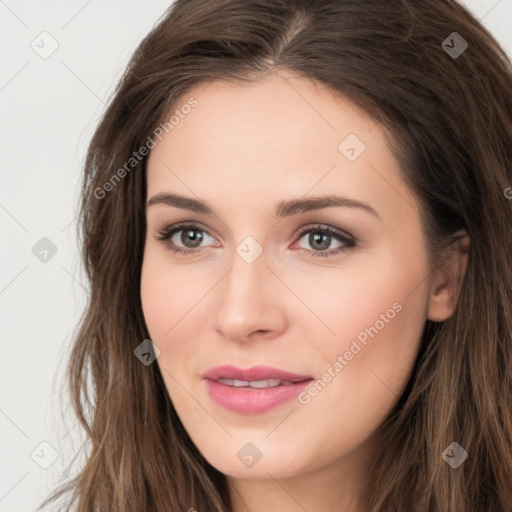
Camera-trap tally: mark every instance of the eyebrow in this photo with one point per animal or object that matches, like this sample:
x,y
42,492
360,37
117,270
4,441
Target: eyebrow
x,y
284,208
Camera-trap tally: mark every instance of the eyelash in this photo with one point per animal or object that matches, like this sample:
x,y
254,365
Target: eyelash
x,y
349,242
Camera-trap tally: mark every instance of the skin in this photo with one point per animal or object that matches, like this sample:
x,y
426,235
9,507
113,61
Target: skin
x,y
244,148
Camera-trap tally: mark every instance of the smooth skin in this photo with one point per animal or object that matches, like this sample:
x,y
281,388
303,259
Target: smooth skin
x,y
243,149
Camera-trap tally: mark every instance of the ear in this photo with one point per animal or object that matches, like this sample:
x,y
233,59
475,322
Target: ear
x,y
447,284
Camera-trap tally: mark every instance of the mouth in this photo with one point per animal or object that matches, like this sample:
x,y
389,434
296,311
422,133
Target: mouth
x,y
255,384
253,390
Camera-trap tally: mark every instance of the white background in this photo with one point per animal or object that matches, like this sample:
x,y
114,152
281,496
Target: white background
x,y
48,110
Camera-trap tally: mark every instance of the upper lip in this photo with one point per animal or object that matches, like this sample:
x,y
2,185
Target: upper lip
x,y
254,373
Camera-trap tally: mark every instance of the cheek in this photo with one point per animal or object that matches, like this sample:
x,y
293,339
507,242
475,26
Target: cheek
x,y
378,317
166,299
157,300
366,366
380,298
375,312
167,294
174,305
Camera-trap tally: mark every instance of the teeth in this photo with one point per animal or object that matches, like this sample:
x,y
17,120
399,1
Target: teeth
x,y
258,384
233,382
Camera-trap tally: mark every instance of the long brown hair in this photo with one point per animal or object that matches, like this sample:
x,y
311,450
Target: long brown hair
x,y
448,112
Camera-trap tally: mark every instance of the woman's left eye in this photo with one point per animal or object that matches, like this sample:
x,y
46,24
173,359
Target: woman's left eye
x,y
323,236
320,237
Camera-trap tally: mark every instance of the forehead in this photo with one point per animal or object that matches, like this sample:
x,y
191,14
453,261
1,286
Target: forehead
x,y
278,137
278,111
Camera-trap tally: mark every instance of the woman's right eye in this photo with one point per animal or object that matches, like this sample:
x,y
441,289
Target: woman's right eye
x,y
190,234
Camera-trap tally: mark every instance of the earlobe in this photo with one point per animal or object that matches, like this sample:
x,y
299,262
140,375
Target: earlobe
x,y
446,288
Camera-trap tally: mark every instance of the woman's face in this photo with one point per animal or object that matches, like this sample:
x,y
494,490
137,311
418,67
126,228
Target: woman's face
x,y
275,276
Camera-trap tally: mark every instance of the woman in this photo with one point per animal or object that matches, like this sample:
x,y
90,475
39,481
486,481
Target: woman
x,y
296,225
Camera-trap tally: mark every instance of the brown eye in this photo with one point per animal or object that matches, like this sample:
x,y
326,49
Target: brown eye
x,y
188,241
191,236
320,239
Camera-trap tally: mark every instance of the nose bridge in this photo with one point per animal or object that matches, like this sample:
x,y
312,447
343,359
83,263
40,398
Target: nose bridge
x,y
246,283
247,300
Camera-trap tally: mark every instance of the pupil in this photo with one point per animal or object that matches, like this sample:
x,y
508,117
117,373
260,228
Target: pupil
x,y
191,236
315,238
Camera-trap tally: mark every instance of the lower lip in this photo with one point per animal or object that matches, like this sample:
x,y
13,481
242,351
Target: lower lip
x,y
252,401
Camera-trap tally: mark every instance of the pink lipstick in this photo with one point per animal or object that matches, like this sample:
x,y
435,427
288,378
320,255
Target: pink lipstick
x,y
253,390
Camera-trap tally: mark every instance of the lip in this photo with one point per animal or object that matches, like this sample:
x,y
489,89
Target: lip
x,y
253,373
253,401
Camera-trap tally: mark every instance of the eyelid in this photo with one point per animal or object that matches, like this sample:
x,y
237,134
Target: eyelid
x,y
327,228
169,231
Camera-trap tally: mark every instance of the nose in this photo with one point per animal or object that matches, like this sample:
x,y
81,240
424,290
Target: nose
x,y
250,302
